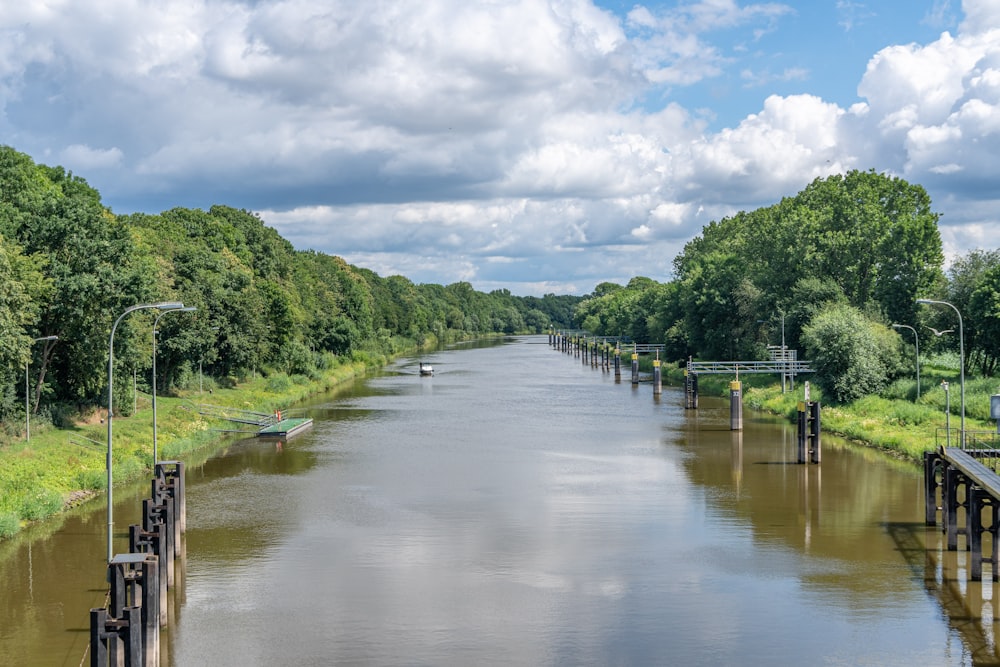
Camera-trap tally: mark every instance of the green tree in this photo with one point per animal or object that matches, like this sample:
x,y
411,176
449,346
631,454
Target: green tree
x,y
853,355
984,310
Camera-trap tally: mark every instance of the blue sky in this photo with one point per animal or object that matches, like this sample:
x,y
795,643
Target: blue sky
x,y
541,146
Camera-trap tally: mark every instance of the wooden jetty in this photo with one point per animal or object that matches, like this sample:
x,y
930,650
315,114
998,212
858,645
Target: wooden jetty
x,y
957,479
260,423
286,428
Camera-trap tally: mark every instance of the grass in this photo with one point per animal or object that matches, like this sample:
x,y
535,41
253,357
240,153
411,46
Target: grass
x,y
59,468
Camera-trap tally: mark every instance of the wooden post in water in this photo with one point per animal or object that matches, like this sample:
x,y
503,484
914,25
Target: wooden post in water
x,y
171,476
814,431
809,428
932,468
657,376
115,641
618,362
690,390
735,406
152,543
801,432
635,367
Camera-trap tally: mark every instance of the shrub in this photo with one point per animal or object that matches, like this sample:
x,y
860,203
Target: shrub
x,y
40,505
854,356
9,524
278,383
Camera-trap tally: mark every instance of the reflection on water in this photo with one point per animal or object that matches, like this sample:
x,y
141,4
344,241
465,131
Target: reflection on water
x,y
520,507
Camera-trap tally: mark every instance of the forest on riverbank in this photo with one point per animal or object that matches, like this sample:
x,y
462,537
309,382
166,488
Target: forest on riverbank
x,y
833,273
263,326
70,267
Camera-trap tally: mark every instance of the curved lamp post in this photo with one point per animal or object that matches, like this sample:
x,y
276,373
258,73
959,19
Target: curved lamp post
x,y
163,305
27,406
961,355
185,309
916,341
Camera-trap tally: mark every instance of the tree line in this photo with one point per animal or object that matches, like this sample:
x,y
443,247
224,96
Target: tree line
x,y
69,267
828,272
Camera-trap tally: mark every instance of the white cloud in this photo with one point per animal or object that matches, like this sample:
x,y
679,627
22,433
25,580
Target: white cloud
x,y
519,142
84,157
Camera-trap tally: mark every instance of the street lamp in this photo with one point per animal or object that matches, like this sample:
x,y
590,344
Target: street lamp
x,y
163,305
27,407
947,412
186,309
916,341
961,355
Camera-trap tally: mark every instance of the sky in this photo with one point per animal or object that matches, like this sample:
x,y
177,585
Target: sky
x,y
539,146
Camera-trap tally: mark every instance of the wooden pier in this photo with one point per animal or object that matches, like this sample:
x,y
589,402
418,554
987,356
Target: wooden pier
x,y
264,424
957,481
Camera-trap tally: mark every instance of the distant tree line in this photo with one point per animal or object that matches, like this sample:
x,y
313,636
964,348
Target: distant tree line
x,y
830,270
69,267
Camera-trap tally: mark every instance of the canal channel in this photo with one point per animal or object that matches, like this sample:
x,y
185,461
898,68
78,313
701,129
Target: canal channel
x,y
521,508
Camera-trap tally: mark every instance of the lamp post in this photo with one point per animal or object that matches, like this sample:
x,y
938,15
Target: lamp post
x,y
961,355
163,305
27,405
947,412
186,309
916,341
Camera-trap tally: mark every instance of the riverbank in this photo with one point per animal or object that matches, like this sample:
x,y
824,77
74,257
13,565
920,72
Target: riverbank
x,y
896,422
62,467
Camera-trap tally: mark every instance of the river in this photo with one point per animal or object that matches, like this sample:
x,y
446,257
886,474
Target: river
x,y
522,508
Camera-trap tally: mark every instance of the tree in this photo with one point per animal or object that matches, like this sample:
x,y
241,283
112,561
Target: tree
x,y
984,310
854,356
22,290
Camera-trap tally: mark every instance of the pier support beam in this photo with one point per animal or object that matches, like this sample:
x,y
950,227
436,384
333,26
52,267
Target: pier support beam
x,y
980,501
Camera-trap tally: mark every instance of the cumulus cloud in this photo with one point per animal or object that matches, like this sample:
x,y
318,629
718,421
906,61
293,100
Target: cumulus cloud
x,y
528,144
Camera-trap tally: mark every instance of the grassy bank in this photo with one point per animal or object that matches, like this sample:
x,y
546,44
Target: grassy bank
x,y
61,467
895,421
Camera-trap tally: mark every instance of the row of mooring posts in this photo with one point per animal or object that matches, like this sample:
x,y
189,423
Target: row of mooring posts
x,y
599,354
127,631
809,429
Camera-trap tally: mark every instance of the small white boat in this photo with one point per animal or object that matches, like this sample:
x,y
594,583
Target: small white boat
x,y
426,369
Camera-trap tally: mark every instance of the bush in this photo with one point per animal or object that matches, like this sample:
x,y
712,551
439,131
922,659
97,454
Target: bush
x,y
278,383
42,504
853,355
9,524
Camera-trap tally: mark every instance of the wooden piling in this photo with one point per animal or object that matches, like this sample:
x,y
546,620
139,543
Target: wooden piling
x,y
735,406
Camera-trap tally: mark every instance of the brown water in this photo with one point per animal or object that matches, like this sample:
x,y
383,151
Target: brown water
x,y
522,508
